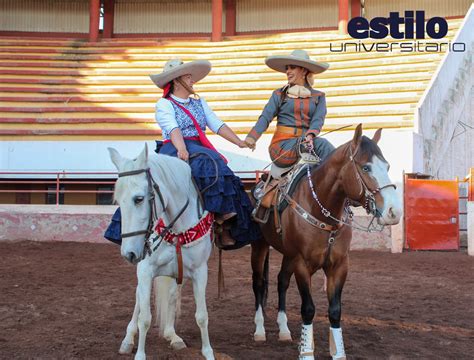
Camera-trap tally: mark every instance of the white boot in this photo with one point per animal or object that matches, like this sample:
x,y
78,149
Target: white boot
x,y
307,343
336,344
284,334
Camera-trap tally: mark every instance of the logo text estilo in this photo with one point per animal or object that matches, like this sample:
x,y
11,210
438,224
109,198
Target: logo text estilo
x,y
380,27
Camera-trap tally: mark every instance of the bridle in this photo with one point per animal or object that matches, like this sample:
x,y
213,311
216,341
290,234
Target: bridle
x,y
152,188
369,204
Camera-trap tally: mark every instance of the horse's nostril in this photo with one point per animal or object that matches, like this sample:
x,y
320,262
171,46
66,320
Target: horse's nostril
x,y
131,257
391,213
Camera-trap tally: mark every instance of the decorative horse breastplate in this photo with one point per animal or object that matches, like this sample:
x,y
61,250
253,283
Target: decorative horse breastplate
x,y
190,236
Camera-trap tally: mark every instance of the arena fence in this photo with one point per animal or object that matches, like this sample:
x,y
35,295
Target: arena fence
x,y
17,187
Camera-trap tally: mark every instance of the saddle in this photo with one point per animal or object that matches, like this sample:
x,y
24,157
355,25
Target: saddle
x,y
270,190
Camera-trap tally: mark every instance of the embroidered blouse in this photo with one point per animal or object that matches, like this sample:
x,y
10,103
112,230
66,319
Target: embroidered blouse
x,y
169,116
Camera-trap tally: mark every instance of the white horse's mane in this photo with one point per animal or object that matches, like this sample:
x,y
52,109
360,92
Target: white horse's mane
x,y
170,171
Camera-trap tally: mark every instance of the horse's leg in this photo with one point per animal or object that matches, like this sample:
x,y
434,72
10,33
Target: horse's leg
x,y
199,289
303,280
167,294
336,278
128,342
284,277
144,312
260,285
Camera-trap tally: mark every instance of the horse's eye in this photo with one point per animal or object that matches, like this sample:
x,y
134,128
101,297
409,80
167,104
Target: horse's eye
x,y
366,168
138,199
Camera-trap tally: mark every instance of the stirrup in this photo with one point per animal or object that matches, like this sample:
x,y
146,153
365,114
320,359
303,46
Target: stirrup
x,y
266,215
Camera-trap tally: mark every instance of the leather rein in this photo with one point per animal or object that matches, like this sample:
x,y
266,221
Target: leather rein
x,y
369,205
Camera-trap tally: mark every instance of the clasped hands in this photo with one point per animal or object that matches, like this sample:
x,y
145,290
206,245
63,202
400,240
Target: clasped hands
x,y
247,143
250,142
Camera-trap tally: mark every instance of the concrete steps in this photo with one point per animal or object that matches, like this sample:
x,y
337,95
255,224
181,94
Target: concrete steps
x,y
75,90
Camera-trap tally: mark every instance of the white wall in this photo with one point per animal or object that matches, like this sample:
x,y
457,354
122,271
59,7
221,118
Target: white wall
x,y
444,117
398,147
470,228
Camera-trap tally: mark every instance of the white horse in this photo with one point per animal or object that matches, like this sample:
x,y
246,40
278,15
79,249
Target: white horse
x,y
154,187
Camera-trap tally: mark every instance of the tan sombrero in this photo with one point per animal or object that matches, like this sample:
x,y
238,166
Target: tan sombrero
x,y
298,58
175,68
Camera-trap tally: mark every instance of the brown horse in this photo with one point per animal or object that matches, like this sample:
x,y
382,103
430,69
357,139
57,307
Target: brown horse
x,y
314,237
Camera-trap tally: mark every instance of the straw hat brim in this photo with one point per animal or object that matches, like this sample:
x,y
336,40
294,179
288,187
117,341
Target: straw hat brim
x,y
279,62
198,70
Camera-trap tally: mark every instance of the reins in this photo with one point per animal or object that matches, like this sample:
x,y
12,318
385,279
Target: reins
x,y
299,143
348,218
369,205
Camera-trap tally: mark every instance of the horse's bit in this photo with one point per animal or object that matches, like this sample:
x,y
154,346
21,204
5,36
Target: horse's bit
x,y
152,187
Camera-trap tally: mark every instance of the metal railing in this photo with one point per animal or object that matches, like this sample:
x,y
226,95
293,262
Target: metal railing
x,y
41,178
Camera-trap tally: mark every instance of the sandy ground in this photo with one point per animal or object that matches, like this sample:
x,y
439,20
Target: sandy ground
x,y
74,301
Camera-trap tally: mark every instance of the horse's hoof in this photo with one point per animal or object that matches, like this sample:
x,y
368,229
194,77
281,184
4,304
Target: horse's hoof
x,y
259,338
208,354
178,345
284,337
141,356
126,348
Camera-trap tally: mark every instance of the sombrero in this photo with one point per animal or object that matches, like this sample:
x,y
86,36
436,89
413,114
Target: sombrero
x,y
175,68
298,58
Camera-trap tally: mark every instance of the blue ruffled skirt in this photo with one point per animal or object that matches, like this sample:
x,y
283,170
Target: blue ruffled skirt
x,y
225,192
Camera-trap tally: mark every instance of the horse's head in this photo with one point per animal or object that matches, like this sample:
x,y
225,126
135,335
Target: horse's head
x,y
364,177
134,194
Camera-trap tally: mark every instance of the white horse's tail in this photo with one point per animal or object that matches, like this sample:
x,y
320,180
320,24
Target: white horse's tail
x,y
167,302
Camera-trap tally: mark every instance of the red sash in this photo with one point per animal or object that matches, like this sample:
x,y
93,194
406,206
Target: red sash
x,y
202,137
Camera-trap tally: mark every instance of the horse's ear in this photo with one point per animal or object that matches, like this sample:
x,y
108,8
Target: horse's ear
x,y
116,158
357,138
143,157
377,135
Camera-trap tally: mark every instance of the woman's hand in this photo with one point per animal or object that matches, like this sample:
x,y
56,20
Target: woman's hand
x,y
309,142
250,142
183,154
242,144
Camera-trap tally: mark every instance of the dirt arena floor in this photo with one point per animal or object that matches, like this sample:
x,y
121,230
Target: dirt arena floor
x,y
73,301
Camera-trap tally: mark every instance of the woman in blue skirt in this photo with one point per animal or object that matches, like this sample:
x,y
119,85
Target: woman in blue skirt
x,y
183,118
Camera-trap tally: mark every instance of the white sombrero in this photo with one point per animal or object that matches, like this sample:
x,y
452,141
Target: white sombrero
x,y
175,68
298,58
